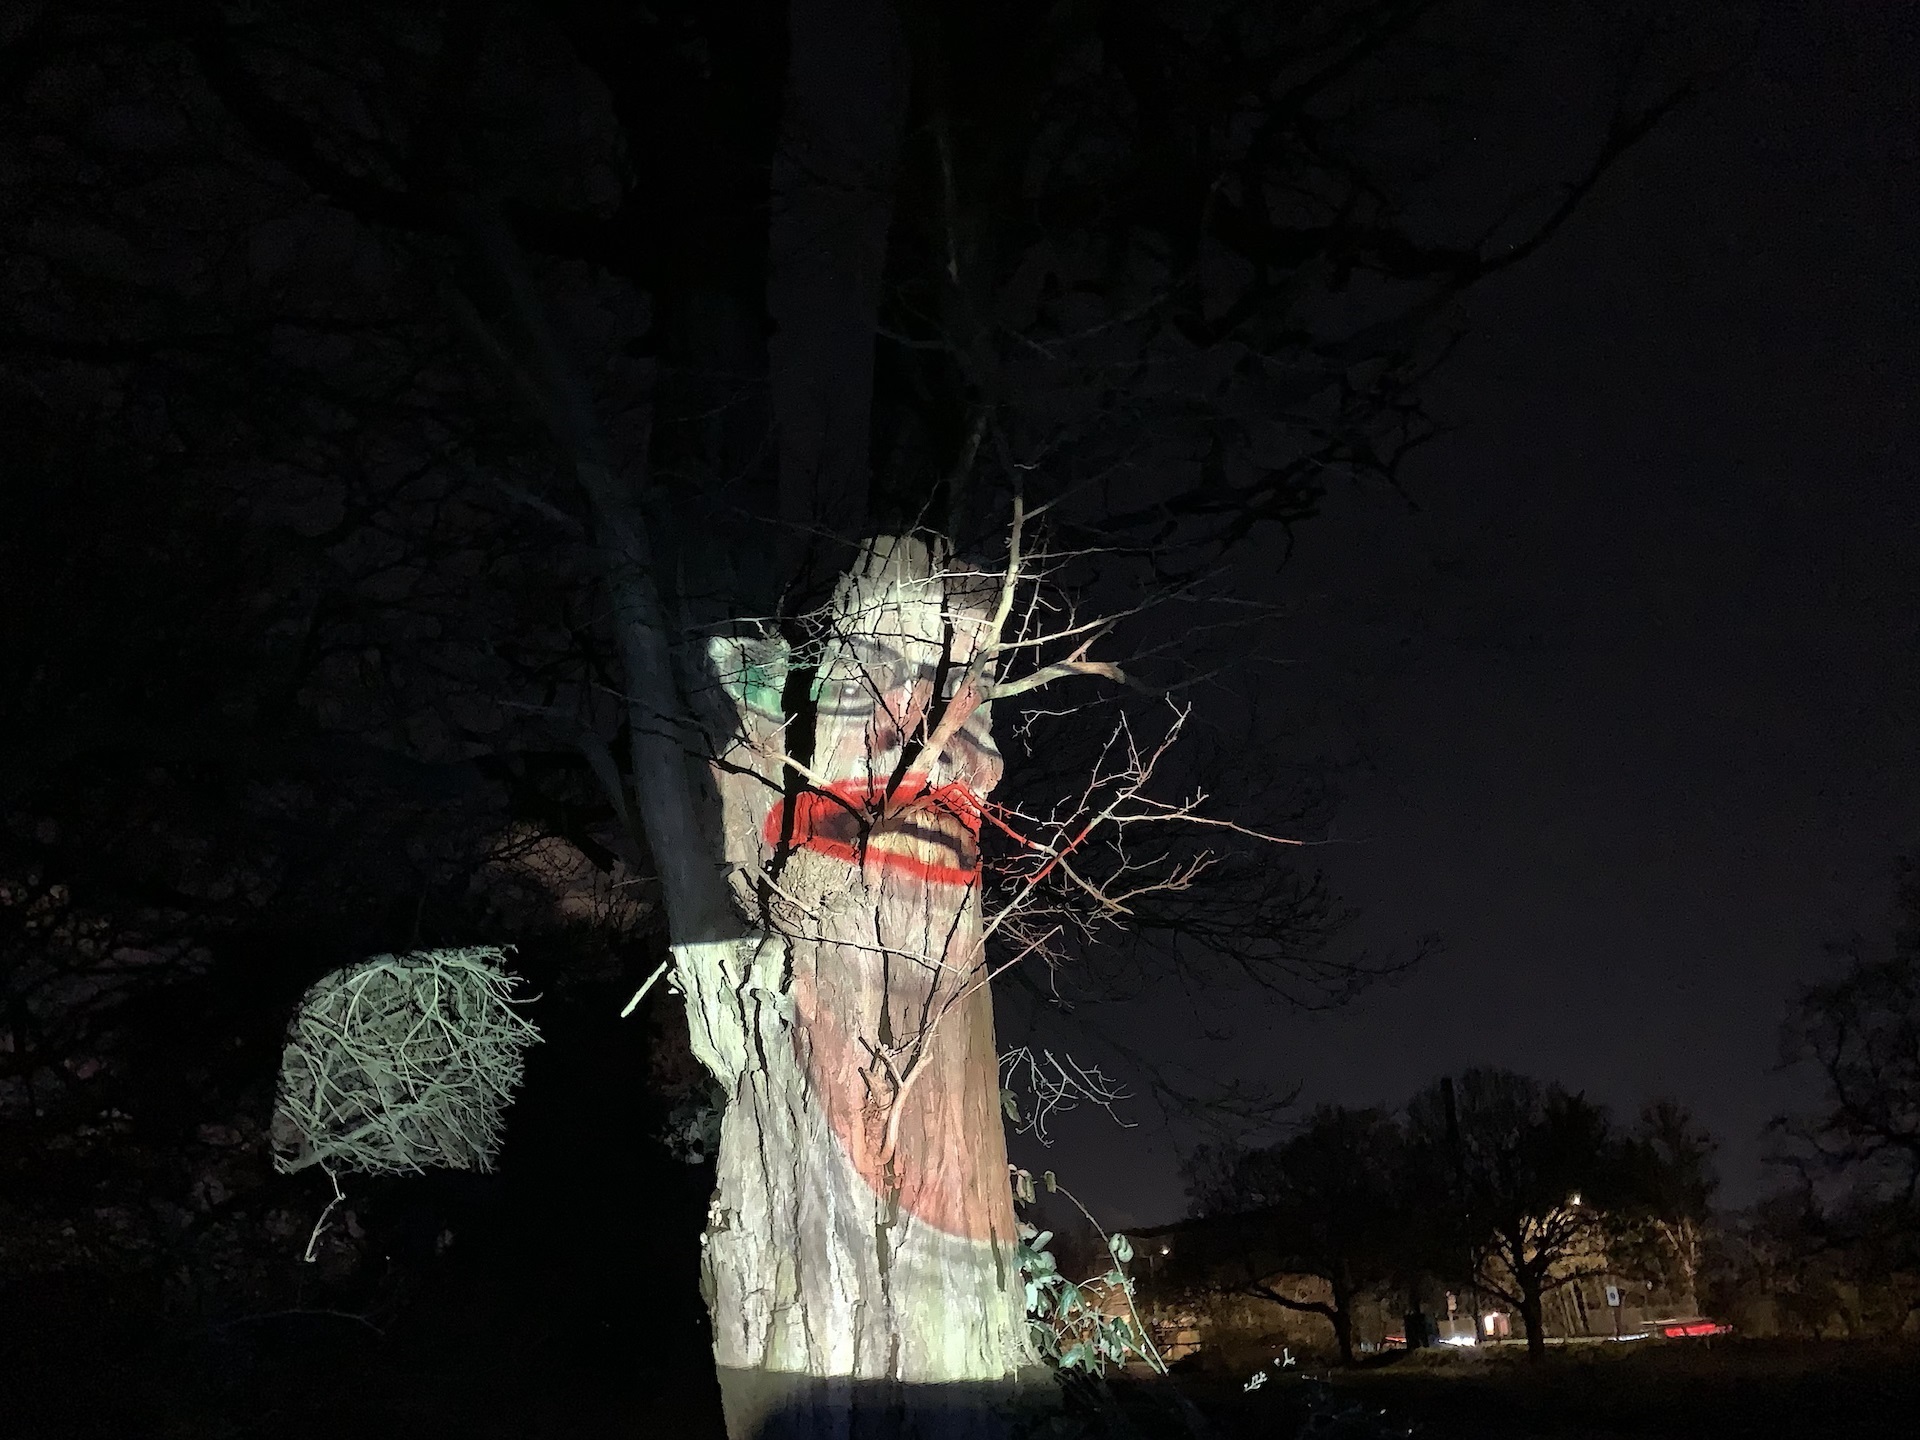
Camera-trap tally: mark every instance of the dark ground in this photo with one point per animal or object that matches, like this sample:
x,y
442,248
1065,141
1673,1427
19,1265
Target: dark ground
x,y
1725,1389
461,1368
475,1361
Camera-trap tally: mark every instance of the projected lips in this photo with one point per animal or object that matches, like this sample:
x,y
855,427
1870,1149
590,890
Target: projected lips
x,y
929,835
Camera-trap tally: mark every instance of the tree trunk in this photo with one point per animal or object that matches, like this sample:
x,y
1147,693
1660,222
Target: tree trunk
x,y
1683,1238
1533,1317
861,1244
1340,1288
1342,1317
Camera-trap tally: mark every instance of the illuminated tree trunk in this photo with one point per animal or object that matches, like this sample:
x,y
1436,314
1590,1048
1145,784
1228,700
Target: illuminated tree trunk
x,y
860,1255
822,899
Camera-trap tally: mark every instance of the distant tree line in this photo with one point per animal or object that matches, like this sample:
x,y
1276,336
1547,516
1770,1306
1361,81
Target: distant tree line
x,y
1511,1188
1492,1182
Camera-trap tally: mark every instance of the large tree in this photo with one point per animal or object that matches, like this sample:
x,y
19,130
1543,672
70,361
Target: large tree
x,y
1857,1156
1665,1217
1525,1174
1860,1030
756,403
1332,1201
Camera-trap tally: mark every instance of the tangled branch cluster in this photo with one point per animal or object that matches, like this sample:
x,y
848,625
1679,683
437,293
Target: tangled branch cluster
x,y
1056,1084
401,1062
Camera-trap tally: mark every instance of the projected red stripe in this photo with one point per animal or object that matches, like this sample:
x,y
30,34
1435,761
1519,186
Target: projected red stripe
x,y
844,819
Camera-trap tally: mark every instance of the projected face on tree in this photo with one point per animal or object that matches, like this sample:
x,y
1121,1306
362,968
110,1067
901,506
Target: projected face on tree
x,y
883,804
884,842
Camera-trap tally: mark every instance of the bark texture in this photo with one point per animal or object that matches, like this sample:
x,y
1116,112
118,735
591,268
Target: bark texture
x,y
862,1237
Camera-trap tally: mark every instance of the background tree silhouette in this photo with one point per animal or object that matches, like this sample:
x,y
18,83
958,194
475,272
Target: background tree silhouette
x,y
1530,1172
1662,1223
1861,1031
1331,1201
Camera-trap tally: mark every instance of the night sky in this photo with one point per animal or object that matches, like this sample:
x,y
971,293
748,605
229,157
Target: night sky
x,y
1631,704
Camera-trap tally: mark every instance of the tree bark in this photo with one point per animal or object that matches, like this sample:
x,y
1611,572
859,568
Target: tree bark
x,y
1533,1318
860,1256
